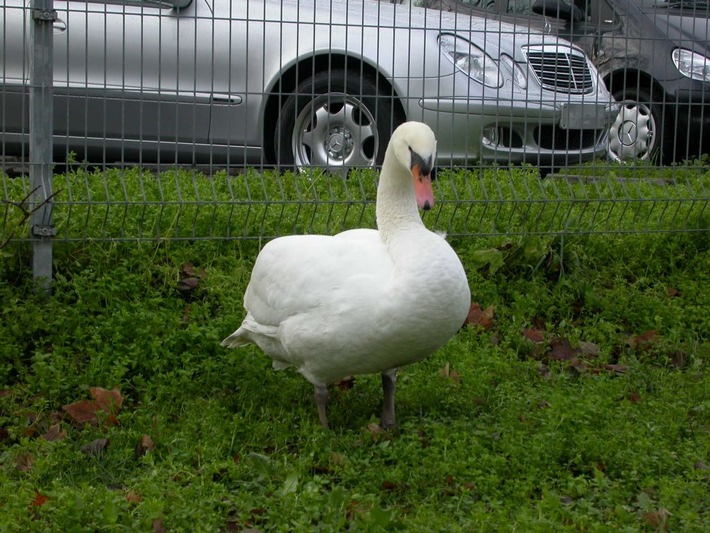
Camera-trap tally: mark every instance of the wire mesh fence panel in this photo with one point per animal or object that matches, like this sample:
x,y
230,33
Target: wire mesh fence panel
x,y
139,204
214,119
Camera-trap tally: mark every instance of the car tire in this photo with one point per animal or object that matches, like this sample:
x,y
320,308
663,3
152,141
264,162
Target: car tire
x,y
636,133
335,120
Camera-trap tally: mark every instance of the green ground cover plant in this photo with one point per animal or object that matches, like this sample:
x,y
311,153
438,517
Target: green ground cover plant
x,y
136,204
577,398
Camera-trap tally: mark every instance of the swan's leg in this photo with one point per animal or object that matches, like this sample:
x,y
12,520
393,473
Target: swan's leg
x,y
389,379
321,401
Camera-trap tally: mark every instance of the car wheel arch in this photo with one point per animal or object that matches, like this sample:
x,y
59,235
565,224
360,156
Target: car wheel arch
x,y
289,79
632,78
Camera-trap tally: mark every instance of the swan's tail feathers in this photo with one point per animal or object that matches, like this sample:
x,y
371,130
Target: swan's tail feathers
x,y
237,339
250,332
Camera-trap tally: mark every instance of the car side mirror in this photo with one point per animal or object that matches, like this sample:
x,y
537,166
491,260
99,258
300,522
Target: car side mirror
x,y
164,4
180,4
558,9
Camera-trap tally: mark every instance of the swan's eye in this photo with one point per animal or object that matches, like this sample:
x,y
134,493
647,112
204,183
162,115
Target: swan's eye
x,y
425,165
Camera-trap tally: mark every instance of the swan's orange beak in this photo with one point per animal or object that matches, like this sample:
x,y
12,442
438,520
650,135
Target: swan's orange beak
x,y
422,189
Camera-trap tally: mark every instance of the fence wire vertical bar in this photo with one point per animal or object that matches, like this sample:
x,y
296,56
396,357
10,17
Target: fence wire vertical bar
x,y
41,80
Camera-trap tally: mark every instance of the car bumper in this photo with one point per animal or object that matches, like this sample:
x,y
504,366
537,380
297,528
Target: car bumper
x,y
540,132
692,124
687,91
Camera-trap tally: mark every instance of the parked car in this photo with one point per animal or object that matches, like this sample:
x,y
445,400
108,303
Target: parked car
x,y
654,56
301,82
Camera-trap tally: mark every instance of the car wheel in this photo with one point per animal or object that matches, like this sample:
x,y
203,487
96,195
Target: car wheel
x,y
635,134
335,120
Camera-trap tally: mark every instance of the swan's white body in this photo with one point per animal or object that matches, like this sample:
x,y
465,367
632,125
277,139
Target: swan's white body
x,y
362,301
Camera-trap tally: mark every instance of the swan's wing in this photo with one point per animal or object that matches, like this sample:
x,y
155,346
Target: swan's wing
x,y
301,273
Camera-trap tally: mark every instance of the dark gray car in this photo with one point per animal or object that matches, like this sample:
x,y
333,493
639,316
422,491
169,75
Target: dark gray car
x,y
654,56
301,82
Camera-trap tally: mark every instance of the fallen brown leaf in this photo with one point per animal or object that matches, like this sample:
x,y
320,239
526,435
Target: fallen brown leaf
x,y
589,349
533,335
95,447
190,279
658,519
133,497
346,383
30,431
480,317
188,284
577,365
390,486
617,369
633,397
54,433
374,428
145,445
560,350
82,412
450,374
543,370
101,410
337,458
672,292
24,461
158,526
188,270
233,526
108,400
644,341
39,499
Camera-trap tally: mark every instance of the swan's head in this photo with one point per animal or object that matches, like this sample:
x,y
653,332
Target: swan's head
x,y
414,145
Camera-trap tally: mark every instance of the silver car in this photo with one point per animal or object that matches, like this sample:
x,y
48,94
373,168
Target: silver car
x,y
297,83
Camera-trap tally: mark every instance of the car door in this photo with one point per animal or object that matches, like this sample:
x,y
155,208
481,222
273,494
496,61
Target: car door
x,y
14,74
127,83
125,78
231,41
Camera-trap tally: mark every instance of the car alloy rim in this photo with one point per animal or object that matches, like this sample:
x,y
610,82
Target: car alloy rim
x,y
633,133
336,132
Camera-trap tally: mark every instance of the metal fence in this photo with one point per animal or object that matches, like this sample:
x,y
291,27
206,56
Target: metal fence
x,y
191,119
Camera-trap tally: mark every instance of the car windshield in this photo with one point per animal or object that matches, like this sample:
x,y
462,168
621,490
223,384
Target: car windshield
x,y
697,4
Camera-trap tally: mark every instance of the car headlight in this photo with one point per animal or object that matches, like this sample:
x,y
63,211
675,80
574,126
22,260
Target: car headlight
x,y
519,76
471,60
692,64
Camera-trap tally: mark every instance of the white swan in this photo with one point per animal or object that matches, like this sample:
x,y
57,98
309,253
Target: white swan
x,y
362,301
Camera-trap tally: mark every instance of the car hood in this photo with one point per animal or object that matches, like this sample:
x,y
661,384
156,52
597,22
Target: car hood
x,y
686,26
403,16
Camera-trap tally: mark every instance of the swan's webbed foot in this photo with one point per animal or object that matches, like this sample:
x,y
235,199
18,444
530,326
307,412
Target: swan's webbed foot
x,y
321,392
389,380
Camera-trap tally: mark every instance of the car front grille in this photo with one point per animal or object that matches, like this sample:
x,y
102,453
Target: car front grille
x,y
561,69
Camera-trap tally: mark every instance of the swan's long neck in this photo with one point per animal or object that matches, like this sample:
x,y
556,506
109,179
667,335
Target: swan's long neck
x,y
396,204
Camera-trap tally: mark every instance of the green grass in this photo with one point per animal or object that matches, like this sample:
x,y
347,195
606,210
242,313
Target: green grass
x,y
611,435
134,204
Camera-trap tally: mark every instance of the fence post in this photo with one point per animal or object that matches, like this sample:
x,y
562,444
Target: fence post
x,y
41,130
